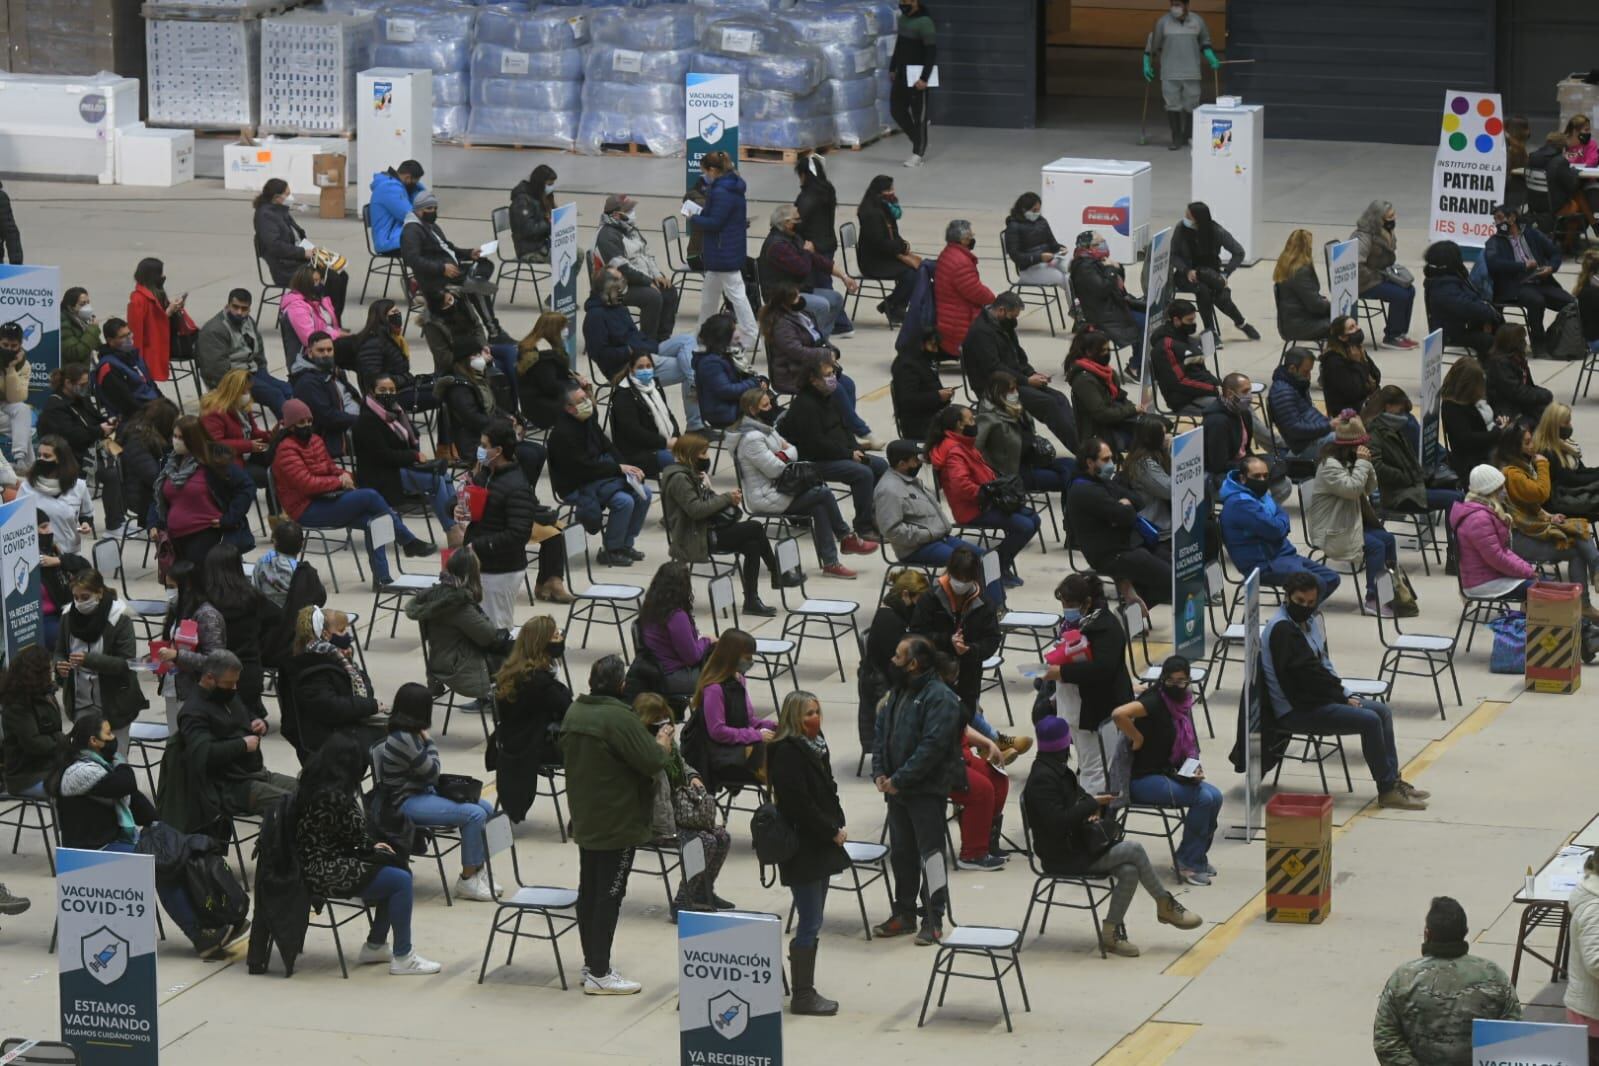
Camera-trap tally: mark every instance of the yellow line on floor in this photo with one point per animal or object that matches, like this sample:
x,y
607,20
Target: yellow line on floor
x,y
1149,1045
875,394
1209,947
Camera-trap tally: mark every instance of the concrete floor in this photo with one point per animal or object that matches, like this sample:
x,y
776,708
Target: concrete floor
x,y
1502,766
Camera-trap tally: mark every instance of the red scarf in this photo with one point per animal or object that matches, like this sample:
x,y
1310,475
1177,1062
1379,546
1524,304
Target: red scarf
x,y
1103,372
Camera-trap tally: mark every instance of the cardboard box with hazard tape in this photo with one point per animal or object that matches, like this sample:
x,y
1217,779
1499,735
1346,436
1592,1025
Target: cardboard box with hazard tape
x,y
1298,858
1554,637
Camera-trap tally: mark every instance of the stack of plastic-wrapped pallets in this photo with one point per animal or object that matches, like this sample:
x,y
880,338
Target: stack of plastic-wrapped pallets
x,y
527,76
309,60
204,62
633,78
843,34
780,102
433,35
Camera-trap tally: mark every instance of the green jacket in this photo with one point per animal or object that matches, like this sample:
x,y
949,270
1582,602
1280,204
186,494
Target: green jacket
x,y
464,647
79,342
1425,1011
689,508
611,762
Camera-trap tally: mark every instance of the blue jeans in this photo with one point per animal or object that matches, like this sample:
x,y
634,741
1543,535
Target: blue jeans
x,y
824,306
674,365
827,522
1203,801
505,356
439,490
624,517
1310,451
174,898
33,791
1052,478
1372,721
390,892
861,478
269,392
1273,572
1400,300
432,809
1019,527
937,553
810,900
844,396
355,508
1381,554
822,279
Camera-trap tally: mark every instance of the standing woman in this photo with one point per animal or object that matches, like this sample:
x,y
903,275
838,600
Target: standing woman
x,y
1302,309
724,226
801,777
56,487
532,208
1032,245
158,324
1348,376
202,498
1089,687
882,253
531,701
93,649
817,204
1381,276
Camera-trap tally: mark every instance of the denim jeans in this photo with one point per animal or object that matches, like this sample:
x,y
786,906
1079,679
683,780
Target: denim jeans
x,y
390,892
1372,721
674,365
432,809
937,553
505,357
824,306
844,396
1274,571
269,392
174,898
1203,801
1019,527
355,508
861,479
827,521
1400,300
439,490
1052,478
810,900
822,281
624,516
1381,554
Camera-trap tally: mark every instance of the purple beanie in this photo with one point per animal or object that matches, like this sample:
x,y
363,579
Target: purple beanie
x,y
1053,734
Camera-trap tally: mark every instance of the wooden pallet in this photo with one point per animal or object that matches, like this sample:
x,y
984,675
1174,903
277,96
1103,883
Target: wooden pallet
x,y
506,146
750,154
867,143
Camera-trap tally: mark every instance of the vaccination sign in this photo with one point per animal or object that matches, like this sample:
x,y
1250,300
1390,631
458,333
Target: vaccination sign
x,y
105,952
19,569
711,113
564,256
1158,289
1468,173
1188,542
31,297
730,989
1497,1043
1343,278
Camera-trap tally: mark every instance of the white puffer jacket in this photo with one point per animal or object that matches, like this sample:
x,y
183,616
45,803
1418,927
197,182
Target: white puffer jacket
x,y
1582,991
759,466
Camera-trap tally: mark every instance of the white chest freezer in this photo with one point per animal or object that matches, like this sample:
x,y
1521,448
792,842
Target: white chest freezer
x,y
1110,196
64,126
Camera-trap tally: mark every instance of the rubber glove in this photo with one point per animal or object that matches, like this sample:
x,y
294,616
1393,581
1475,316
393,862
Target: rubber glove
x,y
1149,68
1210,57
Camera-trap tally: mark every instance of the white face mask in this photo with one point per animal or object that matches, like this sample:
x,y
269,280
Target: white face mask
x,y
479,363
1012,399
86,313
178,447
1032,216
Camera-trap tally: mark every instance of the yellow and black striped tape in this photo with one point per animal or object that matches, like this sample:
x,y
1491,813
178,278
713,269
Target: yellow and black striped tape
x,y
1550,647
1293,871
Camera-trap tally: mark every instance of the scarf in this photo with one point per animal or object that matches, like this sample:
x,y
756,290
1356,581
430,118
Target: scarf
x,y
818,746
91,627
358,681
127,829
400,425
1185,742
179,469
1103,372
46,486
1444,949
656,402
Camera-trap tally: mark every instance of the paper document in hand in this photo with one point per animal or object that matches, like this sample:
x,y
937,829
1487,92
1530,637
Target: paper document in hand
x,y
489,248
307,243
1190,768
690,209
913,74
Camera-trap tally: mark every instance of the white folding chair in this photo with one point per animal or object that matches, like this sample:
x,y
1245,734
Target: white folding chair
x,y
832,619
148,615
401,587
990,943
773,658
1432,654
1038,629
554,906
611,605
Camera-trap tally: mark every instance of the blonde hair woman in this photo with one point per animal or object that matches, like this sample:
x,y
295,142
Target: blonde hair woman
x,y
888,628
1481,525
225,414
1575,485
322,689
1302,311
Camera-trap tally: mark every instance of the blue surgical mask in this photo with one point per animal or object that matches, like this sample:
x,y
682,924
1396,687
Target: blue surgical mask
x,y
482,454
644,377
1071,616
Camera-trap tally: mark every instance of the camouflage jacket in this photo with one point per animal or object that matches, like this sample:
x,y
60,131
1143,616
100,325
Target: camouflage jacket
x,y
1424,1014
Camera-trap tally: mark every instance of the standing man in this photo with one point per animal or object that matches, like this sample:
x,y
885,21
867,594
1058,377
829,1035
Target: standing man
x,y
915,764
1179,38
611,762
915,46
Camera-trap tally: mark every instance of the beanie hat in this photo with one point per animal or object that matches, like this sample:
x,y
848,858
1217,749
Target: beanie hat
x,y
1053,734
1349,429
424,199
295,411
1486,480
413,707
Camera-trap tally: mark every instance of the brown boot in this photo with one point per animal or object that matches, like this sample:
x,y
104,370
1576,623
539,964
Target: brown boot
x,y
554,591
1170,912
1113,940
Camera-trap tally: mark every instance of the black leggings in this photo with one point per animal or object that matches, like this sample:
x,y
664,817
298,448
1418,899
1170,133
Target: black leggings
x,y
552,559
747,540
601,884
1212,294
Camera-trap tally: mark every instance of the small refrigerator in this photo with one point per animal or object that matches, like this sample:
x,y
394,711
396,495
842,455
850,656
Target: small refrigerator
x,y
1111,196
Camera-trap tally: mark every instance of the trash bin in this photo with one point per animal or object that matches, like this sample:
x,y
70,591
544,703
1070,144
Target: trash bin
x,y
1298,858
1554,637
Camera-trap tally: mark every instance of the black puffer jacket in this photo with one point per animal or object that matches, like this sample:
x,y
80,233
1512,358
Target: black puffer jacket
x,y
1102,682
530,723
1027,241
1057,809
321,697
1303,313
1101,291
381,355
530,222
500,537
277,240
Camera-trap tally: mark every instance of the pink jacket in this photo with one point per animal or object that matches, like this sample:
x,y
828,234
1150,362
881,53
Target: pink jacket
x,y
306,318
1484,541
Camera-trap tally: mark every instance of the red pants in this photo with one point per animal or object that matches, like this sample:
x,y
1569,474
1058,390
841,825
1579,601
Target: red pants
x,y
982,800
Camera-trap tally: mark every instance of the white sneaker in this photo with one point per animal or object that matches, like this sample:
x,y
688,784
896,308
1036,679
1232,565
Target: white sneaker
x,y
914,160
371,954
612,984
413,965
474,887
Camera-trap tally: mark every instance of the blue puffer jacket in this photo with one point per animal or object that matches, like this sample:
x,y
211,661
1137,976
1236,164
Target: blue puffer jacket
x,y
724,224
721,385
1296,418
610,336
389,204
1255,531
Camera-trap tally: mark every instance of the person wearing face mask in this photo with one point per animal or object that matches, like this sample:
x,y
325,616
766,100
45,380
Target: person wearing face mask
x,y
1303,310
1511,389
55,485
158,322
122,378
93,649
1099,285
700,522
308,310
1522,262
586,470
1179,41
760,457
231,340
201,497
1540,535
388,458
16,373
225,413
796,346
544,369
31,741
679,786
786,256
1196,247
611,340
435,261
1233,430
817,204
961,622
1159,725
1102,406
1102,515
728,746
1381,276
1575,484
642,423
381,349
1453,304
1340,520
313,490
1299,421
319,384
71,414
1303,694
1185,380
531,701
1348,375
1254,529
512,519
1586,291
282,245
323,689
392,193
915,389
465,647
992,346
722,224
80,329
471,385
915,45
1031,244
817,424
620,244
222,742
962,472
883,254
245,612
960,295
1558,159
1402,483
1481,526
1008,438
532,208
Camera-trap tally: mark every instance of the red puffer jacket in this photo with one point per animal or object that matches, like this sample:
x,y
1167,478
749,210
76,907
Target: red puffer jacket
x,y
962,471
959,295
302,471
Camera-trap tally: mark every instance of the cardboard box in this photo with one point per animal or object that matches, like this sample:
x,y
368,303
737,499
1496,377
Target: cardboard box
x,y
1298,858
154,158
327,170
1554,637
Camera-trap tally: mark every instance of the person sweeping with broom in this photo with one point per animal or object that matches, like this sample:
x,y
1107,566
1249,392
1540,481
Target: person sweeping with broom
x,y
1180,38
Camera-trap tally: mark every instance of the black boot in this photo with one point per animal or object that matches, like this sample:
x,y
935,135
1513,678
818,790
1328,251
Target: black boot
x,y
805,998
1174,119
1452,559
996,838
1188,127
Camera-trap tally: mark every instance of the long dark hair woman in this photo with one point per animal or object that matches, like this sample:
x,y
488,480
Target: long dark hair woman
x,y
666,625
881,252
532,208
243,608
31,741
201,497
734,735
380,348
531,701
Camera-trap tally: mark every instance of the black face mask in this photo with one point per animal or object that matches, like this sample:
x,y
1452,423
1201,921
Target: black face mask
x,y
555,649
1102,358
323,364
396,321
1389,224
1502,228
1257,486
898,676
1298,612
428,217
108,751
45,466
1356,339
702,465
914,471
302,433
1585,136
341,640
768,416
47,542
1175,692
220,694
389,400
968,431
1565,432
1008,324
1188,329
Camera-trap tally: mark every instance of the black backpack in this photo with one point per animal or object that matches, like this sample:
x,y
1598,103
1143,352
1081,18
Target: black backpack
x,y
219,900
775,839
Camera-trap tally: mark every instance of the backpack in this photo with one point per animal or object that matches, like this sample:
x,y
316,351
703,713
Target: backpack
x,y
215,893
775,839
921,313
1565,340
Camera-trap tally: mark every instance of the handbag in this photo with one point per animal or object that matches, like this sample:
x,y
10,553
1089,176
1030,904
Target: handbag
x,y
1509,655
1147,531
1040,451
1006,494
775,839
1405,605
1099,836
693,808
1399,275
459,788
797,477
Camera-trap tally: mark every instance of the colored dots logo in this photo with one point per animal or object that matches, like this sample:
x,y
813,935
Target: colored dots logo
x,y
1476,127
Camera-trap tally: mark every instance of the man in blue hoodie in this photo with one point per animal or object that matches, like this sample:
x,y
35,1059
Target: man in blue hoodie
x,y
392,193
1254,529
